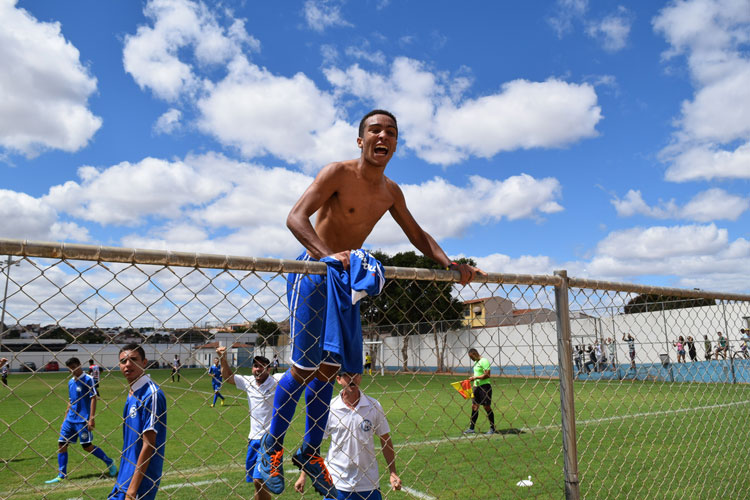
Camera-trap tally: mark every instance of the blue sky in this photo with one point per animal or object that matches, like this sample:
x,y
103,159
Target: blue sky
x,y
609,139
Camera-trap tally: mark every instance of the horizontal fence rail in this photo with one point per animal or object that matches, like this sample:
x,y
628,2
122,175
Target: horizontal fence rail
x,y
598,389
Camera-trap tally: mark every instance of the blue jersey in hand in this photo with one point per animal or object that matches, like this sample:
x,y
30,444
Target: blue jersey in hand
x,y
345,287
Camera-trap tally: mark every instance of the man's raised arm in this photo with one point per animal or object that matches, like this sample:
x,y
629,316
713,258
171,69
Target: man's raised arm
x,y
422,240
226,371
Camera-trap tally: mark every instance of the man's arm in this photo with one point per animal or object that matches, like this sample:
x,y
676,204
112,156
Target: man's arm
x,y
483,376
422,240
144,458
226,371
298,220
390,459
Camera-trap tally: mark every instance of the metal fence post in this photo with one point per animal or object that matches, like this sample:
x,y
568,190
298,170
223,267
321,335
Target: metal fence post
x,y
567,405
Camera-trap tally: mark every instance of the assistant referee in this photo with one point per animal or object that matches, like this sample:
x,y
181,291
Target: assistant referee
x,y
482,389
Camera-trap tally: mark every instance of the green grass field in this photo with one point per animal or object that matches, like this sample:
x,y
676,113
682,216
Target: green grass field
x,y
635,439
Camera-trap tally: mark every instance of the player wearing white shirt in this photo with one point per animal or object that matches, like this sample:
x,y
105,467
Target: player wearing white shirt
x,y
354,421
260,389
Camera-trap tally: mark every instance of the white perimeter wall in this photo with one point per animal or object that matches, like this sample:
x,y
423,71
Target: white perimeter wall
x,y
104,354
521,345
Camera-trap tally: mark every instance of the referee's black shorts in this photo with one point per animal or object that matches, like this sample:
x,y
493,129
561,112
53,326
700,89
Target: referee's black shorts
x,y
482,394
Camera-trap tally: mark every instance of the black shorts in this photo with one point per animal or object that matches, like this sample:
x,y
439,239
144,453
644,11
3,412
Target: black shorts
x,y
482,394
368,366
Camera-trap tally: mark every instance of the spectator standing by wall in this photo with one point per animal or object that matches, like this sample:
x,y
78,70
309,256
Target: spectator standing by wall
x,y
612,349
690,343
722,346
631,348
4,366
708,347
578,359
680,345
592,360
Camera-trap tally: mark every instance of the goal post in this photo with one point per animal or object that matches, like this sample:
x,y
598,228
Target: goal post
x,y
378,347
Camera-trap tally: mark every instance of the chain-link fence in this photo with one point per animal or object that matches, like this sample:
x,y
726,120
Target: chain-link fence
x,y
599,390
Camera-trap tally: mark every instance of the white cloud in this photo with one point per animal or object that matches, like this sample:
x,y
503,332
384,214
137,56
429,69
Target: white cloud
x,y
445,210
367,54
44,87
444,128
154,55
168,122
711,263
25,217
612,30
128,192
260,113
713,34
660,242
566,11
290,118
709,162
715,204
526,264
712,204
265,240
322,14
684,256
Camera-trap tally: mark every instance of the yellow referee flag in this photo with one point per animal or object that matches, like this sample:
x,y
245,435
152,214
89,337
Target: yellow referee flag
x,y
464,388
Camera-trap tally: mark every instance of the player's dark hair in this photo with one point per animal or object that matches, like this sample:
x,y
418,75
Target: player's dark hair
x,y
73,362
376,112
134,347
91,361
261,360
473,351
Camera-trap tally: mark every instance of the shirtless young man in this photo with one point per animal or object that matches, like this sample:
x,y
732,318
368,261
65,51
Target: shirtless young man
x,y
349,197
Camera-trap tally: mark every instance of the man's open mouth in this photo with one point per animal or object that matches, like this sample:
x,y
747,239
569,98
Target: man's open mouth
x,y
381,150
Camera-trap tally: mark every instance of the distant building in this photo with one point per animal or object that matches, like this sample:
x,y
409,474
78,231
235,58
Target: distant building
x,y
499,311
489,311
240,349
528,316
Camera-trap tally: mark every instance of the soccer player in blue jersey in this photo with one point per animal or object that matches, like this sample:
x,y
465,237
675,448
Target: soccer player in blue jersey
x,y
79,421
215,372
144,431
349,197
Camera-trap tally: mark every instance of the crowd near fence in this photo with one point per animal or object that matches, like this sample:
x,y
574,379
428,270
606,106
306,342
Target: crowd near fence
x,y
601,389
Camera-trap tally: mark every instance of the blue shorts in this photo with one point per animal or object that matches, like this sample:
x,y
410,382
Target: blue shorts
x,y
359,495
253,445
216,386
70,432
306,294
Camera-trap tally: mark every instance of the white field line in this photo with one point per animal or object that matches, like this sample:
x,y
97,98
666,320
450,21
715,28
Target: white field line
x,y
189,485
593,421
418,494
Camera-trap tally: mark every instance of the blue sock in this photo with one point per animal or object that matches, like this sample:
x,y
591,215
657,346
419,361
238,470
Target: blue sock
x,y
284,403
98,453
62,463
215,396
318,398
219,394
